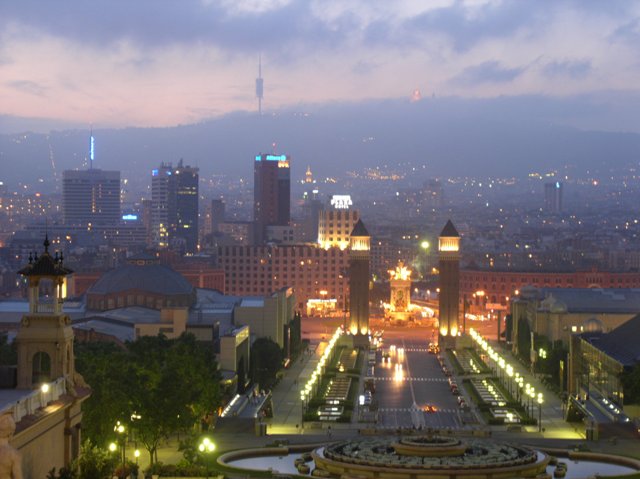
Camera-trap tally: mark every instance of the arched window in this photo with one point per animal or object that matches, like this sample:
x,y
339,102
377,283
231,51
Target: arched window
x,y
41,368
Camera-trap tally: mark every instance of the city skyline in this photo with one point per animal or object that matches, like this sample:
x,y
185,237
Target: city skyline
x,y
150,65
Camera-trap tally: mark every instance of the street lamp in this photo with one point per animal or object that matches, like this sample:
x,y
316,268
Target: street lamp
x,y
424,245
206,447
520,386
122,438
540,400
532,395
302,398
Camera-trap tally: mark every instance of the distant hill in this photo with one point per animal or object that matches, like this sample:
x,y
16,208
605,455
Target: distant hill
x,y
452,136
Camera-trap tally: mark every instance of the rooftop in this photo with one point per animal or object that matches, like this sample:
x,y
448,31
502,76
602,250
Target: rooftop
x,y
154,278
585,300
622,343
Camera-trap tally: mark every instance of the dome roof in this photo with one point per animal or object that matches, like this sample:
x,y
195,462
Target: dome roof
x,y
153,278
593,325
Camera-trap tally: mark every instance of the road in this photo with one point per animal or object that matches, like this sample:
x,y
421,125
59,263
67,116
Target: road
x,y
401,399
402,394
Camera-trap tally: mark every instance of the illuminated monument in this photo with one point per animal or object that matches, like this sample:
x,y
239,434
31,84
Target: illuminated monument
x,y
449,248
400,301
359,283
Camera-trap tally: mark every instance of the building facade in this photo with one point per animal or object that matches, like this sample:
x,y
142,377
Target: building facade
x,y
91,197
553,197
271,193
498,286
313,272
174,207
47,413
557,313
335,227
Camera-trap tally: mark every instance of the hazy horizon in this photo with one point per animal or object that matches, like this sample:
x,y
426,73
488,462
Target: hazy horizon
x,y
150,64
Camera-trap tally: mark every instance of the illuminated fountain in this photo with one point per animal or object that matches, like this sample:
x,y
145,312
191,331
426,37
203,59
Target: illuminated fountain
x,y
428,456
399,308
400,301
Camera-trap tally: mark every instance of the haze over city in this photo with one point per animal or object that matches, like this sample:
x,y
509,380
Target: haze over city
x,y
341,239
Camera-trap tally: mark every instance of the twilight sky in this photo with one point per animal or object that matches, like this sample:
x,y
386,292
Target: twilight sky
x,y
165,62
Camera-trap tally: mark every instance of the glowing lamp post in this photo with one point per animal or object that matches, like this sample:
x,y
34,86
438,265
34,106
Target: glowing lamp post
x,y
532,396
120,430
540,401
206,447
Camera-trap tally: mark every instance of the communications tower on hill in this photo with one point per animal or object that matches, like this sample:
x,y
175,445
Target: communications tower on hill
x,y
259,86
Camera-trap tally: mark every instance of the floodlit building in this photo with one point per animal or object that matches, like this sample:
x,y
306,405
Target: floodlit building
x,y
359,278
449,297
44,394
335,224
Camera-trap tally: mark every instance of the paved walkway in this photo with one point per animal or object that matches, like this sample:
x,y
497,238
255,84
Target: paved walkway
x,y
287,406
553,421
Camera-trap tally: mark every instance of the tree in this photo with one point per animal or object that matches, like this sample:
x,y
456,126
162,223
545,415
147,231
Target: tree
x,y
266,361
508,327
176,385
94,463
170,385
524,339
295,336
106,369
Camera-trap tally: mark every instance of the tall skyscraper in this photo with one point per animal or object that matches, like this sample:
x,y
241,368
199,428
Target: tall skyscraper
x,y
174,207
360,247
271,193
553,197
449,248
91,197
216,215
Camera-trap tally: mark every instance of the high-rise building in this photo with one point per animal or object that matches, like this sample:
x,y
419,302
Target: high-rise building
x,y
174,207
336,223
186,231
553,197
360,245
91,197
271,193
449,248
217,214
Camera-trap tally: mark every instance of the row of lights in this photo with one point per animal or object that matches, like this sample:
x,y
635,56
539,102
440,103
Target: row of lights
x,y
315,376
507,368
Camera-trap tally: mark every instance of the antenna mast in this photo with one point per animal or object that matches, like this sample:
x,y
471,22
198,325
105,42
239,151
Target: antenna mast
x,y
259,85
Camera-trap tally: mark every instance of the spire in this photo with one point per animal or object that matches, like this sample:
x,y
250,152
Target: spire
x,y
359,229
449,230
46,243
